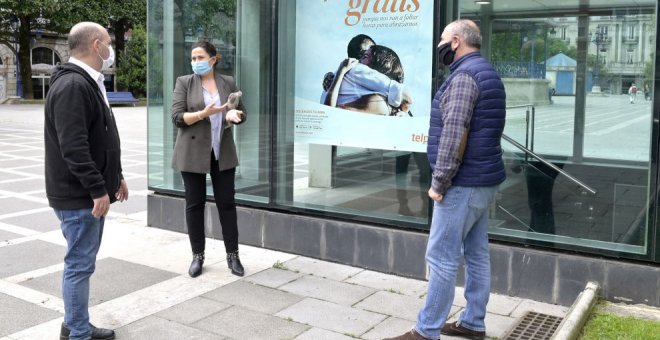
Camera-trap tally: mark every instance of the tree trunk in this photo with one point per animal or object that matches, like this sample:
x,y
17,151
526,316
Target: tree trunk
x,y
24,58
120,29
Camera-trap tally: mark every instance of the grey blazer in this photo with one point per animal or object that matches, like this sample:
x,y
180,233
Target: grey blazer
x,y
192,150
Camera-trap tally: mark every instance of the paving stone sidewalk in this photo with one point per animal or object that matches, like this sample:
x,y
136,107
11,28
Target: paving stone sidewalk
x,y
141,287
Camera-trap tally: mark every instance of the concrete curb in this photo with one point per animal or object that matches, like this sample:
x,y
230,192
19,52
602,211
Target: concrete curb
x,y
577,315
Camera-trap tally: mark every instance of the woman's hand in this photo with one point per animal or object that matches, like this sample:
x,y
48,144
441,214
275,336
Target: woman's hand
x,y
211,109
234,116
191,118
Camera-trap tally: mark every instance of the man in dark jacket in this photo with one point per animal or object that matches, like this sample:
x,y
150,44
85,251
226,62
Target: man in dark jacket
x,y
83,167
467,120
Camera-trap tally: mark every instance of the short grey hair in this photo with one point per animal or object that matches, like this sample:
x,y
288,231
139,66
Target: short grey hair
x,y
467,30
83,34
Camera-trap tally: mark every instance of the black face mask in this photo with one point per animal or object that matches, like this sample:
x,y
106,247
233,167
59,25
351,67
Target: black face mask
x,y
446,54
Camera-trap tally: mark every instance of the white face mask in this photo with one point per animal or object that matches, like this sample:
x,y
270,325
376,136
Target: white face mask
x,y
111,58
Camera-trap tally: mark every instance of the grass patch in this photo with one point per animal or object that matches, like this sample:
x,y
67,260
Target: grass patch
x,y
279,265
605,326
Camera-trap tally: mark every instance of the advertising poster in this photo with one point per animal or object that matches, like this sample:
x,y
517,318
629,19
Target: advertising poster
x,y
363,73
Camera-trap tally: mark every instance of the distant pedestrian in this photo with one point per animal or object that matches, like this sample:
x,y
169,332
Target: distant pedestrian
x,y
647,92
83,167
467,120
632,93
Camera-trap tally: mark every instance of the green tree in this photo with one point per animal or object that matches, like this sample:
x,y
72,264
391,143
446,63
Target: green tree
x,y
649,67
517,47
215,18
62,15
506,46
132,73
122,16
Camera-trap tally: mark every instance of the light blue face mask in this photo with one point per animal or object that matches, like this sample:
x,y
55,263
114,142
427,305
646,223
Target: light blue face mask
x,y
201,67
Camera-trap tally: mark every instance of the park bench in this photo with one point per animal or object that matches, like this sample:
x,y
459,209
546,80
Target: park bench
x,y
121,98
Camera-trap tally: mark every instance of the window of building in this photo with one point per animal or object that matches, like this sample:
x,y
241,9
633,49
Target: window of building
x,y
44,55
631,32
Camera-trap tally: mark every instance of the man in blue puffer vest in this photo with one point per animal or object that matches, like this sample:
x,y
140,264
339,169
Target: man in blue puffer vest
x,y
464,151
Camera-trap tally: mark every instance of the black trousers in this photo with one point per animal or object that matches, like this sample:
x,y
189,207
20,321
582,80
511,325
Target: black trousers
x,y
223,192
540,183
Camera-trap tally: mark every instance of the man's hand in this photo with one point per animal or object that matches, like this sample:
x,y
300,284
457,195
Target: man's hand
x,y
435,196
101,206
122,193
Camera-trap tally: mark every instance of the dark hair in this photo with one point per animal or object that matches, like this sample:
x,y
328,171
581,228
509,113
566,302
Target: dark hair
x,y
358,45
387,62
206,46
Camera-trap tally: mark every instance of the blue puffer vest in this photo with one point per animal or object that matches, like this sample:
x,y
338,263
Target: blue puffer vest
x,y
482,160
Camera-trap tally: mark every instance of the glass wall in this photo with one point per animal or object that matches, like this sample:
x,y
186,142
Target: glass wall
x,y
240,31
341,159
578,138
579,90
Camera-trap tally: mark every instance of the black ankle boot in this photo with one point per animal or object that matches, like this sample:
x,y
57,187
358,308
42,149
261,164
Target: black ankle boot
x,y
196,265
234,263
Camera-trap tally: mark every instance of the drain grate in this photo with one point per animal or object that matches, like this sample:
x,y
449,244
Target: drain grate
x,y
533,326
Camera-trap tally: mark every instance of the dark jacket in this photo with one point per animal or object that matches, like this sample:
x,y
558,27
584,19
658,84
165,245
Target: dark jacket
x,y
83,159
482,163
192,150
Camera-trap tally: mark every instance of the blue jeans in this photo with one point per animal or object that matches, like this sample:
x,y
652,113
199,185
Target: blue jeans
x,y
459,228
83,233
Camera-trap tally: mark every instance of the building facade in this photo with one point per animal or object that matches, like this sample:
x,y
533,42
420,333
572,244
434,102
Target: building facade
x,y
47,49
580,202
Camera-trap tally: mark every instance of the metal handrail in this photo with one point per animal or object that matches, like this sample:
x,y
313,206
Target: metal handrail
x,y
530,118
554,167
518,106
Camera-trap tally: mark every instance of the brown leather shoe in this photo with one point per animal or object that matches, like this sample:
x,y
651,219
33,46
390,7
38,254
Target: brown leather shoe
x,y
409,335
454,329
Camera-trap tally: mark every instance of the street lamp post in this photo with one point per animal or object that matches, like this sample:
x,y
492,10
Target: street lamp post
x,y
532,62
600,38
41,23
200,33
15,26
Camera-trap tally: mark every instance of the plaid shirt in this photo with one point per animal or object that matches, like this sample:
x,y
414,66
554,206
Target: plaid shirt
x,y
457,105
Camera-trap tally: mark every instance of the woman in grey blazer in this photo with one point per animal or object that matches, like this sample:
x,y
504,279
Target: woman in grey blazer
x,y
205,145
